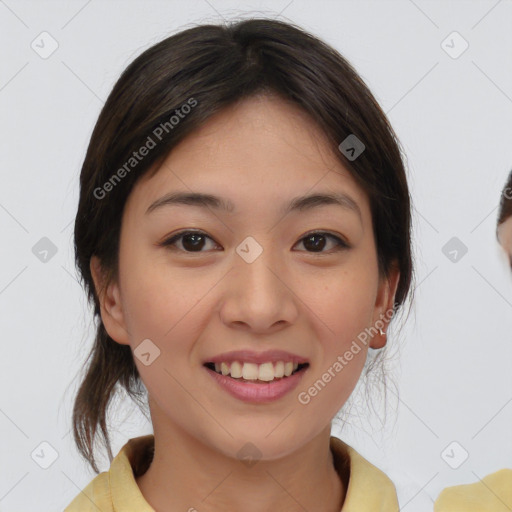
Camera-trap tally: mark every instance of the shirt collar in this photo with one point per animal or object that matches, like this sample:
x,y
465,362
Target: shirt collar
x,y
126,495
369,488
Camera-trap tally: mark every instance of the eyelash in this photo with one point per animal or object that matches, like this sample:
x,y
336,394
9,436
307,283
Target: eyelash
x,y
170,242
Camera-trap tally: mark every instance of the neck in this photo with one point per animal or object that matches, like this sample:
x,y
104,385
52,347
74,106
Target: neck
x,y
186,474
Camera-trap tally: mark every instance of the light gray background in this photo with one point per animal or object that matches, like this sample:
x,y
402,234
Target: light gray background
x,y
453,117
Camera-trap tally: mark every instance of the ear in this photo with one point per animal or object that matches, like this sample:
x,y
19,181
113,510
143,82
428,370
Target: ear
x,y
110,304
384,306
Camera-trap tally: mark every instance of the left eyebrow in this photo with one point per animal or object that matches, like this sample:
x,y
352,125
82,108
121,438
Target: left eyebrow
x,y
308,202
300,203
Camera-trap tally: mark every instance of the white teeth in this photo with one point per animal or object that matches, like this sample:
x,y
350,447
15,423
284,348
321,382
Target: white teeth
x,y
288,369
236,369
250,371
266,372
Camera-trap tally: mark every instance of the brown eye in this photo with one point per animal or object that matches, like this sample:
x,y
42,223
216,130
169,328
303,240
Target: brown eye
x,y
196,241
316,242
191,241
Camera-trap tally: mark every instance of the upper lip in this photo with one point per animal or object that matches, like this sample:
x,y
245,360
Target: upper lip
x,y
249,356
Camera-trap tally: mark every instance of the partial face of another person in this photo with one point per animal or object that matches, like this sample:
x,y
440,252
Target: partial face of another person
x,y
505,237
257,275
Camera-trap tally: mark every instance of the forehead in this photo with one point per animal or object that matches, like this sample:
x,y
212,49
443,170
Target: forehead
x,y
261,147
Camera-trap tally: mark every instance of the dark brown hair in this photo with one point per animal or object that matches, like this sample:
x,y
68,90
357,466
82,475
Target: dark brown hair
x,y
216,66
505,210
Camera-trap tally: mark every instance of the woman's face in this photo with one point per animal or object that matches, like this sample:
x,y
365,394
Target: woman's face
x,y
255,280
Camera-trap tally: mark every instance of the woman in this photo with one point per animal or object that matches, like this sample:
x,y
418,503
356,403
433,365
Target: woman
x,y
243,231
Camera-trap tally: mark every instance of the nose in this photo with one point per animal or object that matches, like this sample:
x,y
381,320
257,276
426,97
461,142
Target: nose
x,y
259,296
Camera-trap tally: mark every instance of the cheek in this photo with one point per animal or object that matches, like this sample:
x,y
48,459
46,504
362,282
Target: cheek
x,y
343,351
343,311
157,297
170,310
348,308
345,301
348,312
170,307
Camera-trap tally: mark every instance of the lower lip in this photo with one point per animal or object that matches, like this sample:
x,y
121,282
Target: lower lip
x,y
258,392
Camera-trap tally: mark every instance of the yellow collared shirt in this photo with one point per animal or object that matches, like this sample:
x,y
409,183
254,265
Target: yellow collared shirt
x,y
116,490
491,494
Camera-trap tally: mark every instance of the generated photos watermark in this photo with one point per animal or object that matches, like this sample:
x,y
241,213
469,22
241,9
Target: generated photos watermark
x,y
304,397
156,136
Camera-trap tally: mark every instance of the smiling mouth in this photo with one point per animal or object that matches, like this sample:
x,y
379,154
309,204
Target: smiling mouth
x,y
262,374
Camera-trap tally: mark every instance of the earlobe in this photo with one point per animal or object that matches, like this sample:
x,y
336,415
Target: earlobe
x,y
110,303
384,307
